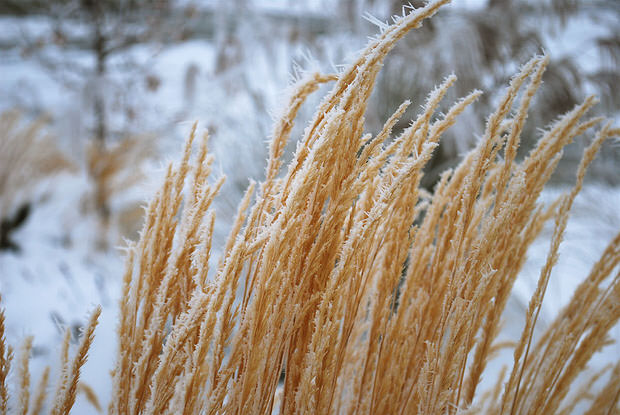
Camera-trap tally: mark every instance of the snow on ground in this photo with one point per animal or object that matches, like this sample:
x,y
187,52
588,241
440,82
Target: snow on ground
x,y
57,279
59,275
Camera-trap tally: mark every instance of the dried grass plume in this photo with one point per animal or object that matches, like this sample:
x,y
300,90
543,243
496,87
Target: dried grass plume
x,y
346,288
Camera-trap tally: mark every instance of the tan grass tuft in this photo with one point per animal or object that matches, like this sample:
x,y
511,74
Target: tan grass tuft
x,y
41,393
366,294
346,288
24,376
67,388
27,155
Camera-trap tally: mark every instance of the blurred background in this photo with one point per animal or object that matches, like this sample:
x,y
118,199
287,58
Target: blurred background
x,y
97,96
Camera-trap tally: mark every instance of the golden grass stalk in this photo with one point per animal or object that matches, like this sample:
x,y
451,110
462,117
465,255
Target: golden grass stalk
x,y
24,376
39,397
606,401
67,387
90,395
6,355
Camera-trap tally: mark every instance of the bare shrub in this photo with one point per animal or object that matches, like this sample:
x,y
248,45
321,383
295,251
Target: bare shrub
x,y
28,155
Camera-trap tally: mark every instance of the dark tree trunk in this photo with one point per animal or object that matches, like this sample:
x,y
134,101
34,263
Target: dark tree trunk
x,y
100,44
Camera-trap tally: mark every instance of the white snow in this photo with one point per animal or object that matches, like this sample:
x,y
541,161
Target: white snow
x,y
60,274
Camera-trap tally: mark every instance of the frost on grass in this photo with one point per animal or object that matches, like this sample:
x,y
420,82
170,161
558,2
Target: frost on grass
x,y
346,288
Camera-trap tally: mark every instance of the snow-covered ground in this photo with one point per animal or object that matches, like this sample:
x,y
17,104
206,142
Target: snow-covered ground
x,y
57,279
60,274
